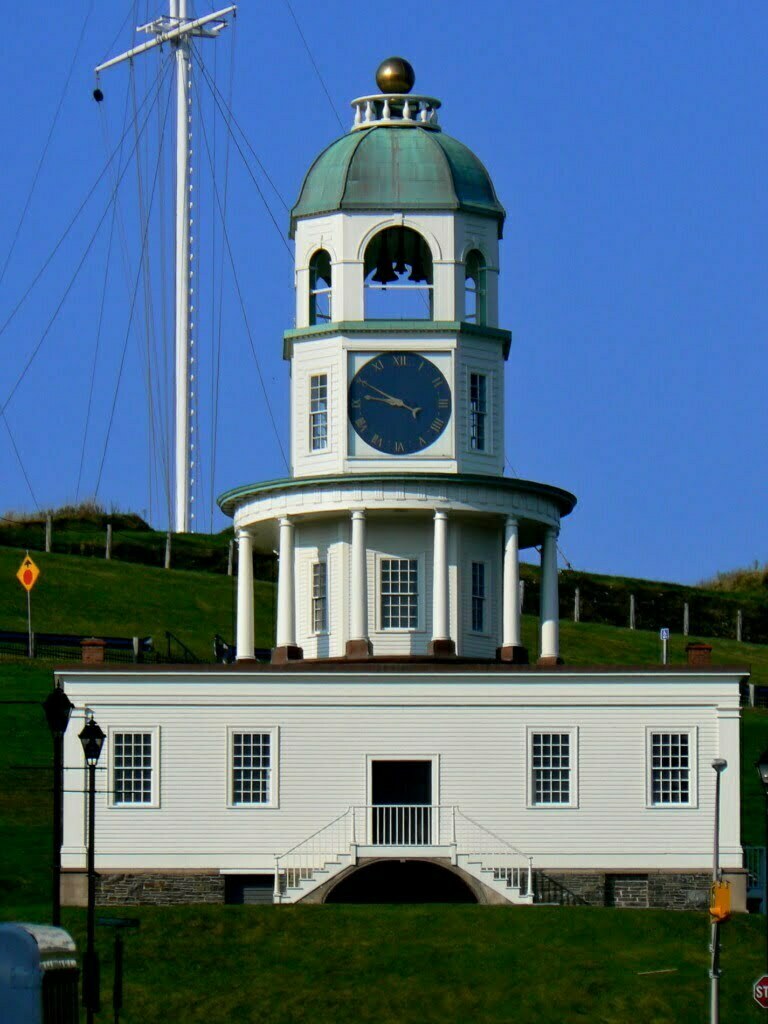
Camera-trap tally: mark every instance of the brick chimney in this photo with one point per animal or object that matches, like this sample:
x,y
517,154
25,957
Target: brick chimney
x,y
92,650
698,654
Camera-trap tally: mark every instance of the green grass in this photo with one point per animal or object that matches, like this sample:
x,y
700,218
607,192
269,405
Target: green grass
x,y
422,964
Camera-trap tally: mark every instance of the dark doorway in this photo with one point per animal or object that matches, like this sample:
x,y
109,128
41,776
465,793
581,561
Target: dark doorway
x,y
393,881
401,792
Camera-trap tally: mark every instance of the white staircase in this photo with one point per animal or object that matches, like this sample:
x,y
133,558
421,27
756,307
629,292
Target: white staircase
x,y
403,832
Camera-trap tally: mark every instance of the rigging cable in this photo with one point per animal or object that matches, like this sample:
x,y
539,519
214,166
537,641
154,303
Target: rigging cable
x,y
130,315
242,306
314,65
46,145
20,460
70,285
64,234
557,544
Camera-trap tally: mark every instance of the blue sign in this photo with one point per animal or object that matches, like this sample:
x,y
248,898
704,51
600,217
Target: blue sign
x,y
664,633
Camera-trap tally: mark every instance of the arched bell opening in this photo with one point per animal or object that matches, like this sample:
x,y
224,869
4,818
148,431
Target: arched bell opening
x,y
320,289
475,308
396,881
398,276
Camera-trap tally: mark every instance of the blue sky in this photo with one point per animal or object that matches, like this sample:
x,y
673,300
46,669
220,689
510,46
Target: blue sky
x,y
627,142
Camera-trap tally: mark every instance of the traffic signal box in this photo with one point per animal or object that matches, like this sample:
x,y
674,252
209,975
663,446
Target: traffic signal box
x,y
720,903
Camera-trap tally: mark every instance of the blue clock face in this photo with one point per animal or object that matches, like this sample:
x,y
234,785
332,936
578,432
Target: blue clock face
x,y
399,403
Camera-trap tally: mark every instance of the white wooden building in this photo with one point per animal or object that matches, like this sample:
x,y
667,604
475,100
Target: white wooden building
x,y
399,740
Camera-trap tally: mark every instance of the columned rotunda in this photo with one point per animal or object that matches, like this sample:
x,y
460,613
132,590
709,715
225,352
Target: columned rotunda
x,y
398,532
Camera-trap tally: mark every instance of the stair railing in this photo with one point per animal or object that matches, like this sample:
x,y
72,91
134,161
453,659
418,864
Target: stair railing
x,y
312,853
473,839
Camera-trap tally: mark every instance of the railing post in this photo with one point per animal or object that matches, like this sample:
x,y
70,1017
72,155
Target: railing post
x,y
353,840
278,897
453,824
530,877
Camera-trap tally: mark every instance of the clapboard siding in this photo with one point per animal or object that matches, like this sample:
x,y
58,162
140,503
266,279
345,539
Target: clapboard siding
x,y
482,769
486,357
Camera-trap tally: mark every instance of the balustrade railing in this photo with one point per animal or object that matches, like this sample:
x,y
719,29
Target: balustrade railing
x,y
395,108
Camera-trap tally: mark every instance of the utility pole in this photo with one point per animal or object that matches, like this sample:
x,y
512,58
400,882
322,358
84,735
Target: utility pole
x,y
177,29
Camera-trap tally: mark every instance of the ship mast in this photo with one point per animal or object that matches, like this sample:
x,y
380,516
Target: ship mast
x,y
177,30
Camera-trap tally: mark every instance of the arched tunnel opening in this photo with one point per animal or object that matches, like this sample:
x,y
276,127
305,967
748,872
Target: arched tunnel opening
x,y
394,881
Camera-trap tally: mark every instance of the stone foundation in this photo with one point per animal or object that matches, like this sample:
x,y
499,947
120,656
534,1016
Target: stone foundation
x,y
665,890
143,887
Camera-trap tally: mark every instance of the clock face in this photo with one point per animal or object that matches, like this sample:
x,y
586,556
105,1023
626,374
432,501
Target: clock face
x,y
399,403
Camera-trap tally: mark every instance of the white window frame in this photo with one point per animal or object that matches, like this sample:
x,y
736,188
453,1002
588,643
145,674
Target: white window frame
x,y
550,730
693,775
311,589
421,625
154,731
474,371
487,602
311,375
274,753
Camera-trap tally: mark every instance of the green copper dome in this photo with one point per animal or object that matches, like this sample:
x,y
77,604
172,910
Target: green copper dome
x,y
397,168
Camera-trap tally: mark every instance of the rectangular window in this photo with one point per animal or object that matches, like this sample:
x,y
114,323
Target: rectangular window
x,y
132,767
478,597
251,767
319,597
478,410
318,412
399,593
550,768
670,768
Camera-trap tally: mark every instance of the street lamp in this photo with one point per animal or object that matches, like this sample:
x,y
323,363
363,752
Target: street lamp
x,y
762,770
719,765
92,739
58,708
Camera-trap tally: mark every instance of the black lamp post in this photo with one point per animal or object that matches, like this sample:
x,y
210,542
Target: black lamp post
x,y
58,708
92,739
762,770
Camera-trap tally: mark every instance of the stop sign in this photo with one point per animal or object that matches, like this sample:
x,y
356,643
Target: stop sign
x,y
761,991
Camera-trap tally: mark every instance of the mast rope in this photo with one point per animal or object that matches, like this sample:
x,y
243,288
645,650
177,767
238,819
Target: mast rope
x,y
66,232
71,283
242,303
131,312
20,461
314,65
44,153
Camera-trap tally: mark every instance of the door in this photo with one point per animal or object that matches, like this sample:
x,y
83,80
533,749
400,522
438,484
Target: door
x,y
401,794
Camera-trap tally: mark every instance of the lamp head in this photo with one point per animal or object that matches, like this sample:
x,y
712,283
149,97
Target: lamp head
x,y
719,764
58,708
92,739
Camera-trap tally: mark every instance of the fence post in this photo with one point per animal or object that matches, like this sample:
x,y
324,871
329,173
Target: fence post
x,y
686,619
738,625
135,650
522,595
231,558
576,605
751,695
168,550
631,611
108,549
48,533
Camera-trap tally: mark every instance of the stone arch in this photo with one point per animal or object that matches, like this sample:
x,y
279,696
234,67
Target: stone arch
x,y
404,881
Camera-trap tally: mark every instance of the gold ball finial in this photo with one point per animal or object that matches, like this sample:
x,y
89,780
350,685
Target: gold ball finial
x,y
395,75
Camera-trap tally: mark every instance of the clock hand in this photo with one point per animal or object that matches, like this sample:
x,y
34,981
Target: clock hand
x,y
398,403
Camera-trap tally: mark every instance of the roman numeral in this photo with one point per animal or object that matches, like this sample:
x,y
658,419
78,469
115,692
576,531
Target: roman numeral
x,y
436,425
442,403
356,403
361,422
422,441
378,365
421,366
400,360
399,447
378,441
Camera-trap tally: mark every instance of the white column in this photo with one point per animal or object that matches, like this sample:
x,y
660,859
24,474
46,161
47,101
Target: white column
x,y
549,646
286,604
510,636
358,643
440,591
244,596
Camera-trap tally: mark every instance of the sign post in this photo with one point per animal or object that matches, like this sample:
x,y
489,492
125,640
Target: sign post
x,y
27,577
664,634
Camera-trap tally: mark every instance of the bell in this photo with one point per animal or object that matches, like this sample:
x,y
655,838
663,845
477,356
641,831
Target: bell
x,y
418,270
400,265
384,273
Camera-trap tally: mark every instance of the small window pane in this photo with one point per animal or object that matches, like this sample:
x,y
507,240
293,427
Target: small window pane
x,y
399,593
551,767
478,597
132,767
319,597
251,767
318,412
477,411
670,768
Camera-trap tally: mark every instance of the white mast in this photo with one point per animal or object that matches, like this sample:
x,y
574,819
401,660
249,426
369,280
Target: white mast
x,y
177,29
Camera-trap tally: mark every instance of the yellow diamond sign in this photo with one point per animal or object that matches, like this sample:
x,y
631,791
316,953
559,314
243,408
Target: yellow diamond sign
x,y
28,573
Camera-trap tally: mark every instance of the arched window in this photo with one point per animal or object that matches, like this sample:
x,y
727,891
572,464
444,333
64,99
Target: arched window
x,y
474,288
398,276
320,299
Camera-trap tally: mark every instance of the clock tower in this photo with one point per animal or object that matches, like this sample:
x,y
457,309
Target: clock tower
x,y
397,531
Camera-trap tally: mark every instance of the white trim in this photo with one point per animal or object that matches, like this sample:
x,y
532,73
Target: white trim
x,y
274,767
154,731
421,575
551,730
693,774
